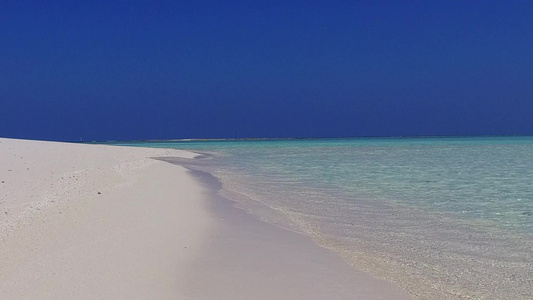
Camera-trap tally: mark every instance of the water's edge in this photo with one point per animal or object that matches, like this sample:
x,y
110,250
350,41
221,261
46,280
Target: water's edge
x,y
315,272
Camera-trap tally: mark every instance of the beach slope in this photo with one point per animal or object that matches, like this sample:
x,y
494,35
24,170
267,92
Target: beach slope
x,y
82,221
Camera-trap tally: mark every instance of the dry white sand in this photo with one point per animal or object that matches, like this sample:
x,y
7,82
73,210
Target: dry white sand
x,y
61,239
102,222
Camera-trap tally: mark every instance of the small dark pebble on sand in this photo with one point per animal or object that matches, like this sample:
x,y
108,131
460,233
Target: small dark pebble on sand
x,y
99,193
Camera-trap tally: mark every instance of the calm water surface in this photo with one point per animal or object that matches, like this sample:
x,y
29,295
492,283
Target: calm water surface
x,y
444,218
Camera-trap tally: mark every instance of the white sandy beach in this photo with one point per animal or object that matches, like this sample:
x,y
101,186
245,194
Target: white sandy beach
x,y
84,221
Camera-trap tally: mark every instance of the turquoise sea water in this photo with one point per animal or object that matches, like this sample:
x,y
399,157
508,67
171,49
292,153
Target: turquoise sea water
x,y
444,218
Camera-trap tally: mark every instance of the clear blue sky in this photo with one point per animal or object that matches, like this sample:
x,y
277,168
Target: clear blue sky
x,y
224,69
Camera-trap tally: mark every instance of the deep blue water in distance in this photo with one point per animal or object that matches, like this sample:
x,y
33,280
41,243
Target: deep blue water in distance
x,y
445,218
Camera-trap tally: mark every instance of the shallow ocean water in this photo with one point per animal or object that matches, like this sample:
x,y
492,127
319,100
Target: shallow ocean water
x,y
444,218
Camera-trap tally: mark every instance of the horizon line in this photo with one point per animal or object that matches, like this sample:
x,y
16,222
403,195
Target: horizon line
x,y
300,138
